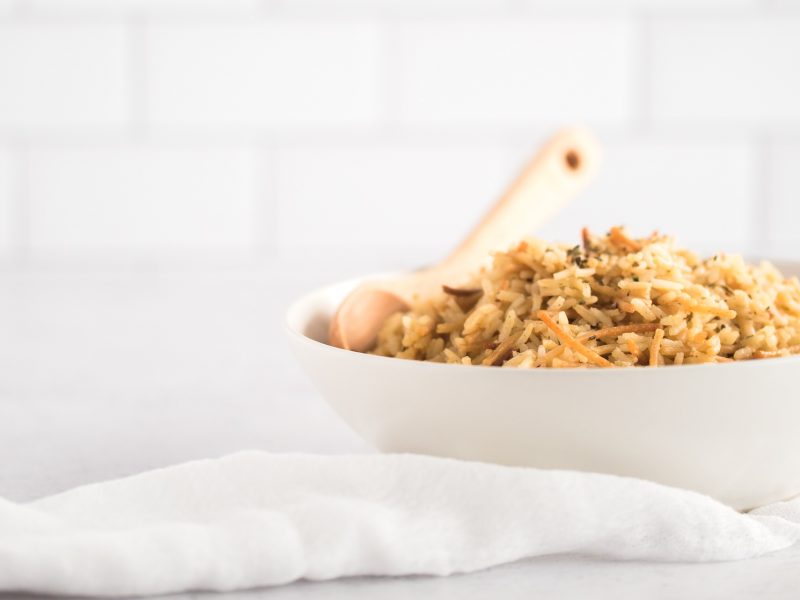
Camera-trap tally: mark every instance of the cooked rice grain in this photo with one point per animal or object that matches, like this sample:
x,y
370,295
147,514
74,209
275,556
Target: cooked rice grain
x,y
615,301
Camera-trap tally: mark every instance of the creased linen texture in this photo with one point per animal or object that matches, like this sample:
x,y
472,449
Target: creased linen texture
x,y
256,519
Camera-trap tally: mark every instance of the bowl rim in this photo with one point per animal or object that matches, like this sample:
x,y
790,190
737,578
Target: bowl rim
x,y
292,316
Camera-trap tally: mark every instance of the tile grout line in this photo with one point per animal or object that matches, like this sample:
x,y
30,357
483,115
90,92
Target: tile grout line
x,y
20,216
642,69
389,87
505,10
427,136
138,76
265,199
761,204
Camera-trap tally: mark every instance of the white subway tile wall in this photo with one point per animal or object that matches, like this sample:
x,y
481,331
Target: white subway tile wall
x,y
508,73
55,77
383,198
181,7
737,71
146,198
254,76
699,189
260,129
404,8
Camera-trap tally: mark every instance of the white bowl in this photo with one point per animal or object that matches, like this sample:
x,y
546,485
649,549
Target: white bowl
x,y
731,431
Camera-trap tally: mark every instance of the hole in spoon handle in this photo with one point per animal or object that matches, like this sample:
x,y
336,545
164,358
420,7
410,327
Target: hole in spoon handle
x,y
573,159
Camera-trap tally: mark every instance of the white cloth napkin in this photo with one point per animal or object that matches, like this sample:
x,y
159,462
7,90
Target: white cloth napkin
x,y
254,519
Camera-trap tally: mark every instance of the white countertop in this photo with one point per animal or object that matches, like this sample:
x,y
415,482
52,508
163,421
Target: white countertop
x,y
105,375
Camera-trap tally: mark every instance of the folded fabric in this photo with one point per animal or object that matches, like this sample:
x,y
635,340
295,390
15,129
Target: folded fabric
x,y
255,519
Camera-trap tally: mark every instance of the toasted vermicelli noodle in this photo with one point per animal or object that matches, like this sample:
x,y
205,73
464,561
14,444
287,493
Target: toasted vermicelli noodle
x,y
613,301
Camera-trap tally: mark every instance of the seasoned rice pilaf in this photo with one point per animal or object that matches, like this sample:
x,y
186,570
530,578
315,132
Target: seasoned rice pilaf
x,y
612,301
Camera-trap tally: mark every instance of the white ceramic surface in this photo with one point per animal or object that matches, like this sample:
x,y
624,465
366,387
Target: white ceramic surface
x,y
731,431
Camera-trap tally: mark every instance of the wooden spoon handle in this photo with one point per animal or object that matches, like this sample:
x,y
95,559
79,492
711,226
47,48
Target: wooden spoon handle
x,y
559,171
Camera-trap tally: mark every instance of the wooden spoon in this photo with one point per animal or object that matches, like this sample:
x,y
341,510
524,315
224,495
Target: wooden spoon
x,y
561,169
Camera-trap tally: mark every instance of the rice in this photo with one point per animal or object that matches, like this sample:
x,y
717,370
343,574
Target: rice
x,y
613,301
